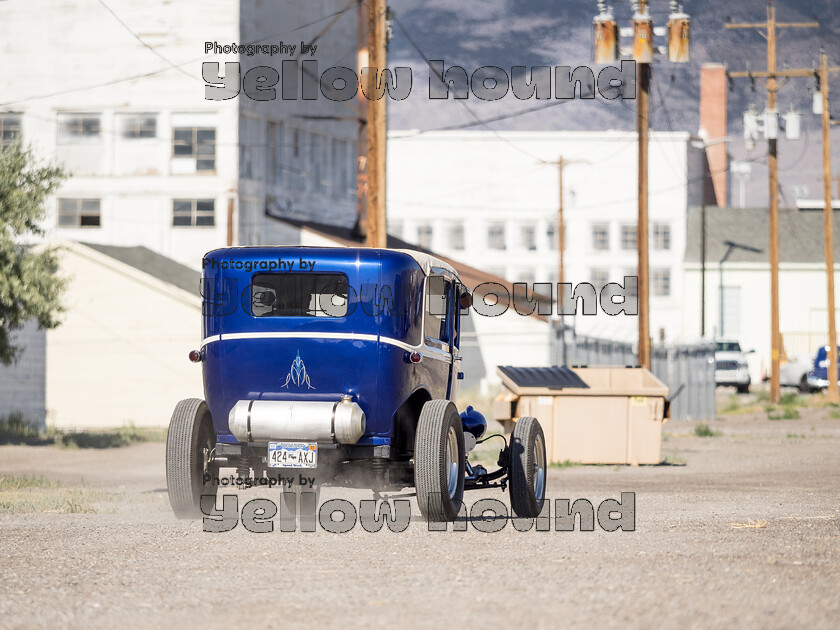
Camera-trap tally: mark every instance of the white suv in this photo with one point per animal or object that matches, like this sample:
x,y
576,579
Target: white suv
x,y
731,365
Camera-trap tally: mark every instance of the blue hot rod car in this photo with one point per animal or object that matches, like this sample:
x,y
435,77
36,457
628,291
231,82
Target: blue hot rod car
x,y
344,362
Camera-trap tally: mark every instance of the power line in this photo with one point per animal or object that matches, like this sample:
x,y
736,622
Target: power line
x,y
152,73
484,121
139,39
463,104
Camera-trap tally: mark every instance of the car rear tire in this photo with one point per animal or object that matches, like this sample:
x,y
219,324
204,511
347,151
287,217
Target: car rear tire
x,y
439,461
803,385
190,441
528,469
743,389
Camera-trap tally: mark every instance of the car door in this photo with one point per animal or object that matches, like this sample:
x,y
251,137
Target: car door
x,y
439,331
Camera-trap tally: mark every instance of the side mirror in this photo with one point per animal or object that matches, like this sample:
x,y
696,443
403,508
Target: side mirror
x,y
465,300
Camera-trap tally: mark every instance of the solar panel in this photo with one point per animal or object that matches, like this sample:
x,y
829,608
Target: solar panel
x,y
549,377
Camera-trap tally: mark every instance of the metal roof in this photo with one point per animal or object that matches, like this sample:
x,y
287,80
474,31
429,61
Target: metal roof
x,y
154,264
549,377
800,235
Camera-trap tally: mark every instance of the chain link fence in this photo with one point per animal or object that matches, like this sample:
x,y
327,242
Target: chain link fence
x,y
688,370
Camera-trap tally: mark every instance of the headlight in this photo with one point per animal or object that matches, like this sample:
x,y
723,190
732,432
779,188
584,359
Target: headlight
x,y
823,363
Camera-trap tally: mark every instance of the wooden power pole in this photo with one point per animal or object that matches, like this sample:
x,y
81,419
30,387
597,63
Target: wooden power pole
x,y
376,127
643,127
362,61
828,221
561,228
770,26
561,163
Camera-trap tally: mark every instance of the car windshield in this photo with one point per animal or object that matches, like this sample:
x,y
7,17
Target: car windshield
x,y
727,346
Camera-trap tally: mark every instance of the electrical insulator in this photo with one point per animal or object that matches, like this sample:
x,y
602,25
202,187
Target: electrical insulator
x,y
642,38
606,38
816,103
751,129
771,124
793,124
679,37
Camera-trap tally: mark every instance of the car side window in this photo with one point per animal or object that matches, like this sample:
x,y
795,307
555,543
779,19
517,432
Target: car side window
x,y
438,312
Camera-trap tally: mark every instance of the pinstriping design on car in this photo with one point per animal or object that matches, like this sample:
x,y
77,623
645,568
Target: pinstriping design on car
x,y
426,351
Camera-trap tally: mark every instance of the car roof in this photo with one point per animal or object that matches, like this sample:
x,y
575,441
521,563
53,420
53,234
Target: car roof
x,y
427,262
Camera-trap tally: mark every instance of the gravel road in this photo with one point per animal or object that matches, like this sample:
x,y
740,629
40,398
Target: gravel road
x,y
690,563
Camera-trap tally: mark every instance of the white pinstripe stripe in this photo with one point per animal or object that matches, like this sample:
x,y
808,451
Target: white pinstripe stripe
x,y
439,355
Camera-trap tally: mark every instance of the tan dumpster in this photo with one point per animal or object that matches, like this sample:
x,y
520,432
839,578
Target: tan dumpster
x,y
592,415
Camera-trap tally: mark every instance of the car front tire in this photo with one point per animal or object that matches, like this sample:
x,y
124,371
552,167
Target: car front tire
x,y
528,468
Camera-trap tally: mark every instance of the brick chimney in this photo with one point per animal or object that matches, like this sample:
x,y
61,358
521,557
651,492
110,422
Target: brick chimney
x,y
713,128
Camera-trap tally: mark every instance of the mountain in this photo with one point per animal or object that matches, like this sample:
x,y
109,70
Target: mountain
x,y
508,33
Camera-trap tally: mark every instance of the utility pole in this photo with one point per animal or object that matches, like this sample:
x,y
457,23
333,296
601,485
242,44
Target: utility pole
x,y
703,248
607,51
376,127
770,25
561,163
828,221
561,228
362,61
642,128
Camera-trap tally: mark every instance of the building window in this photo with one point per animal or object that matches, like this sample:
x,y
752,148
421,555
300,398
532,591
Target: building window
x,y
296,164
10,129
424,236
632,289
136,126
528,276
551,234
318,157
198,143
79,213
193,212
529,237
598,278
628,237
661,236
76,127
660,280
601,237
456,236
252,139
340,168
274,150
496,236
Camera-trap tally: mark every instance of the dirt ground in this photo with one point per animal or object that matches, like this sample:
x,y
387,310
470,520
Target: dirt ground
x,y
742,529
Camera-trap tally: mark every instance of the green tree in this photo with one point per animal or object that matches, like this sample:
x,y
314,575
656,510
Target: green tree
x,y
29,285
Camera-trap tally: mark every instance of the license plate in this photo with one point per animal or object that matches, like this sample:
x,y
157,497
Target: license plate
x,y
292,455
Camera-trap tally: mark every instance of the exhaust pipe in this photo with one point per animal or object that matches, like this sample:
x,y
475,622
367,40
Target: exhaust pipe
x,y
308,420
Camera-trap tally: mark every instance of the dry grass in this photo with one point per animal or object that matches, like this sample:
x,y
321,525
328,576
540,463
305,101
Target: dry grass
x,y
750,524
19,495
15,429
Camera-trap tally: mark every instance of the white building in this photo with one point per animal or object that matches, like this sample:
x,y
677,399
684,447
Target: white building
x,y
491,200
120,355
152,162
744,312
